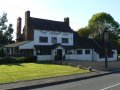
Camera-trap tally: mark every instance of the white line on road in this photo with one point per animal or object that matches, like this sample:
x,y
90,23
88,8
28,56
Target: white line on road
x,y
110,86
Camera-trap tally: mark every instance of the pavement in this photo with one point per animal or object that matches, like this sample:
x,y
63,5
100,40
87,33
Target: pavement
x,y
25,85
98,65
107,82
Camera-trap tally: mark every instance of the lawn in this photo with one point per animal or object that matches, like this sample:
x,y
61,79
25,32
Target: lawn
x,y
29,71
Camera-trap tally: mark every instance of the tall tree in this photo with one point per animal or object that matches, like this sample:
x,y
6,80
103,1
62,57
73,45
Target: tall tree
x,y
97,24
100,20
3,21
5,31
8,34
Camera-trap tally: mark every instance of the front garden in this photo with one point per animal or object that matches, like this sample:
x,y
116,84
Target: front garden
x,y
14,69
29,71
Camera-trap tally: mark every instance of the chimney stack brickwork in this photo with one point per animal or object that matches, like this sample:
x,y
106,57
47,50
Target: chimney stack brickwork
x,y
66,19
18,37
27,32
27,25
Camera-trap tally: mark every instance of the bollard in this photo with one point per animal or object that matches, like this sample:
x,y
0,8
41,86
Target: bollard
x,y
79,66
89,68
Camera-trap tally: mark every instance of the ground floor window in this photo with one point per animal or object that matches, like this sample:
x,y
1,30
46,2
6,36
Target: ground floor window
x,y
26,51
102,55
79,51
69,51
87,51
43,52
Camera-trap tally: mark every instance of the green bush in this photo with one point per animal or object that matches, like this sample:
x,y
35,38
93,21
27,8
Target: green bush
x,y
2,53
7,60
27,59
20,59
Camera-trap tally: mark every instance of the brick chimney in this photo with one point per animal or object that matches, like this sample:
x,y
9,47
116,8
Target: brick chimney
x,y
27,26
66,20
18,36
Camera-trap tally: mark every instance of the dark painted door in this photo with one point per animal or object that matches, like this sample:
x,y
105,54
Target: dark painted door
x,y
59,54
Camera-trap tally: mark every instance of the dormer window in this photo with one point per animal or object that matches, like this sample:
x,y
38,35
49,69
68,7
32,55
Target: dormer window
x,y
43,39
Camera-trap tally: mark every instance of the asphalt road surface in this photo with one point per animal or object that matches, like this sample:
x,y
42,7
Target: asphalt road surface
x,y
107,82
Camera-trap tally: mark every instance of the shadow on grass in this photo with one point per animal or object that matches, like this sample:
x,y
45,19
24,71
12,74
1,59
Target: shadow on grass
x,y
57,62
46,63
13,64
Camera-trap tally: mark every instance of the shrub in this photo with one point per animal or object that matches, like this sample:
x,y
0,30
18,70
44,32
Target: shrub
x,y
20,59
31,59
2,53
7,60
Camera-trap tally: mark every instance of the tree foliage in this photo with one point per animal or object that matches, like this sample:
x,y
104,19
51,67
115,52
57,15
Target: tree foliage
x,y
6,31
97,24
84,32
3,21
2,53
100,20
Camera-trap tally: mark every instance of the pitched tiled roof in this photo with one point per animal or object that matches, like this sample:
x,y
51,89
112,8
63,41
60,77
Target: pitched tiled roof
x,y
86,43
15,44
82,42
100,46
45,24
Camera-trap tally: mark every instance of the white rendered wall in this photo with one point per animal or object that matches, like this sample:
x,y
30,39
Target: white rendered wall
x,y
44,57
49,34
95,56
115,54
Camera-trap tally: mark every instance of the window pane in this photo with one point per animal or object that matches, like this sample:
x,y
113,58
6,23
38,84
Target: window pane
x,y
54,39
43,39
43,52
79,52
64,40
87,51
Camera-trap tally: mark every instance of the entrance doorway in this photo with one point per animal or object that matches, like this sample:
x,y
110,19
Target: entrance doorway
x,y
59,54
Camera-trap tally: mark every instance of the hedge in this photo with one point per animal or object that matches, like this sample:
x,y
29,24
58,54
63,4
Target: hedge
x,y
7,60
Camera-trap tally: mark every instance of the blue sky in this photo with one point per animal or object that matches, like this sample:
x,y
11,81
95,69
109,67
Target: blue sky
x,y
79,11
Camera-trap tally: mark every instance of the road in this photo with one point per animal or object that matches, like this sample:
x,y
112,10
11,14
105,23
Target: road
x,y
107,82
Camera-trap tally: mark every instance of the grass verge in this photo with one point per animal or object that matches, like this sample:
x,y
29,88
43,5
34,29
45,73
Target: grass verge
x,y
29,71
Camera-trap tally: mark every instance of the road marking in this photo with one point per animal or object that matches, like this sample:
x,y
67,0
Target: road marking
x,y
110,86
